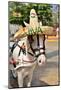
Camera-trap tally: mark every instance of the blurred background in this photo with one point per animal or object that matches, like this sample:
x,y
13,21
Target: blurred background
x,y
48,14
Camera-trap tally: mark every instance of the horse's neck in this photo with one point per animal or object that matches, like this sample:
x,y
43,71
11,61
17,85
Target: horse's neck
x,y
34,44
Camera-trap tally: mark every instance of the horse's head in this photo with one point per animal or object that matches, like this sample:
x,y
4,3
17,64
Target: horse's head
x,y
38,48
35,46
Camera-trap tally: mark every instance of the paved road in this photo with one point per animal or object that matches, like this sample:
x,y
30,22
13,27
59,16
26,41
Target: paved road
x,y
47,74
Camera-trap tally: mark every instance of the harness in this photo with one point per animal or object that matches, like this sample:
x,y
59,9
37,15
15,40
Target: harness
x,y
37,49
33,50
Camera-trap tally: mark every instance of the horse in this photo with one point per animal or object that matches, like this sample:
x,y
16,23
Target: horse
x,y
28,52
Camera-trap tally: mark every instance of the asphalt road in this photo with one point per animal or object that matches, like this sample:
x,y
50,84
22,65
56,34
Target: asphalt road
x,y
49,73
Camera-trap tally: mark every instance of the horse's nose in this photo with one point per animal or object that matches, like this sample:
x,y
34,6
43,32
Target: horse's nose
x,y
42,62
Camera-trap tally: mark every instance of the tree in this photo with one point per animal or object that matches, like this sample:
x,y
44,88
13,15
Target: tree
x,y
56,16
22,10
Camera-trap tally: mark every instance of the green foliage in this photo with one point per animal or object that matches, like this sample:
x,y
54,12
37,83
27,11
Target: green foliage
x,y
43,11
55,18
32,31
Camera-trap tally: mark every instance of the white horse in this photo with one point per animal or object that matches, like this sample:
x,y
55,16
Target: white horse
x,y
27,53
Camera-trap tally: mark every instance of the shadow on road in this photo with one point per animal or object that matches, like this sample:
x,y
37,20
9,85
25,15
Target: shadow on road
x,y
39,84
52,54
33,84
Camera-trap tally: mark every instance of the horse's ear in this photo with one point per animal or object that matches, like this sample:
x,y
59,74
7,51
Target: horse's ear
x,y
26,24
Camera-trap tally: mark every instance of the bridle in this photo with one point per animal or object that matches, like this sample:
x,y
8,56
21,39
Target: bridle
x,y
37,49
30,39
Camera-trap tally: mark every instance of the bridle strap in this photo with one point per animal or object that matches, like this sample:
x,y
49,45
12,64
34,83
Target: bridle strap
x,y
23,50
44,42
30,42
37,49
30,53
39,54
29,61
37,40
32,48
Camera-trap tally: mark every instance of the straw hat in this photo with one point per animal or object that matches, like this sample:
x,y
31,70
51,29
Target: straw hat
x,y
34,27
